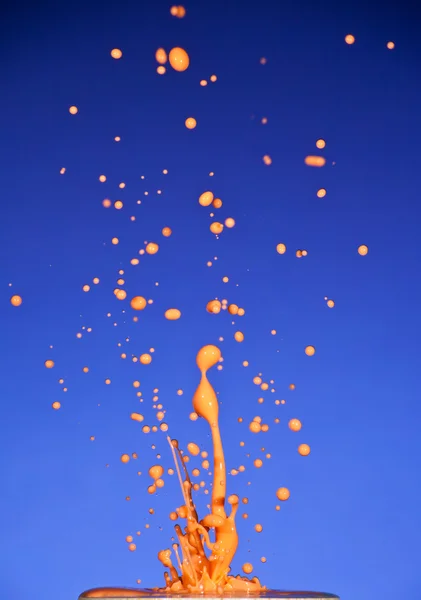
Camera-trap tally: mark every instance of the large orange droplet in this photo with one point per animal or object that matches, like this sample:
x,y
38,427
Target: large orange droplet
x,y
283,493
349,39
15,300
152,248
190,123
295,425
49,364
179,59
145,359
172,314
206,199
116,53
304,449
310,350
138,303
73,110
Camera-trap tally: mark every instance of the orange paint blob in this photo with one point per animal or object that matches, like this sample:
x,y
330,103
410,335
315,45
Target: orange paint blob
x,y
161,56
349,39
216,227
145,359
172,314
294,425
152,248
320,144
166,232
283,493
49,364
190,123
179,59
239,336
363,250
206,199
138,303
116,53
310,350
125,458
56,405
281,248
73,110
330,303
304,449
315,161
15,300
321,193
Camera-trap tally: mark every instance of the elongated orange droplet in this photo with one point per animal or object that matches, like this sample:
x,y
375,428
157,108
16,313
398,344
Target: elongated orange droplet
x,y
315,161
281,248
206,199
161,56
239,336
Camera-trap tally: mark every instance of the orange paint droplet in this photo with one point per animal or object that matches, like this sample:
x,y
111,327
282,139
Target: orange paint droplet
x,y
193,448
152,248
206,199
320,144
241,312
229,222
15,300
178,11
315,161
120,294
330,303
349,39
124,458
156,471
166,232
102,178
132,547
117,138
295,424
137,417
239,336
190,123
116,53
73,110
129,539
281,248
56,405
304,449
203,82
233,309
321,193
214,306
247,568
179,59
216,227
258,528
258,463
161,56
283,493
161,70
363,250
310,350
390,45
172,314
267,159
263,559
145,359
173,516
115,241
255,427
62,171
49,364
138,303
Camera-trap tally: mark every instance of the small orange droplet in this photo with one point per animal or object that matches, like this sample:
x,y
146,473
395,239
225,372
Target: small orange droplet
x,y
321,193
145,359
310,350
349,39
190,123
161,56
283,493
166,232
49,364
267,159
281,248
161,70
363,250
152,248
56,405
216,227
320,144
390,45
295,424
73,110
247,568
138,303
124,458
239,336
304,449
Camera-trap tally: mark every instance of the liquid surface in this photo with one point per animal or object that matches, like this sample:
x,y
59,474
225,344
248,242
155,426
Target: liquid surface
x,y
123,593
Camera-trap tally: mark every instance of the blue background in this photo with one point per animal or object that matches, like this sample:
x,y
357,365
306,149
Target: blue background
x,y
352,523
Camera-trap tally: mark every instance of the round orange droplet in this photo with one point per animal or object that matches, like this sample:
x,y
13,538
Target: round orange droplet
x,y
315,161
320,144
15,300
229,222
161,70
330,303
203,82
258,463
73,110
129,539
217,203
172,314
281,248
258,528
138,303
321,193
247,568
255,427
179,59
390,45
121,294
116,53
56,405
173,516
124,458
283,493
161,56
206,199
102,178
216,227
295,425
267,159
118,205
349,39
310,350
239,336
214,306
115,241
132,547
49,364
166,232
190,123
233,309
193,448
145,359
304,449
152,248
363,250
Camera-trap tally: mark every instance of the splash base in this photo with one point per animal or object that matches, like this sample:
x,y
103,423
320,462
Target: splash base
x,y
127,593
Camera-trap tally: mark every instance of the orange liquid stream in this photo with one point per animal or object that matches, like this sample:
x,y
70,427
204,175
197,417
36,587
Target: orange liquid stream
x,y
198,571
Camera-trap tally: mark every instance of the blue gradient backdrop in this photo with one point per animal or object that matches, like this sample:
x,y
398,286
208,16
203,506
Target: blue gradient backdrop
x,y
352,523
